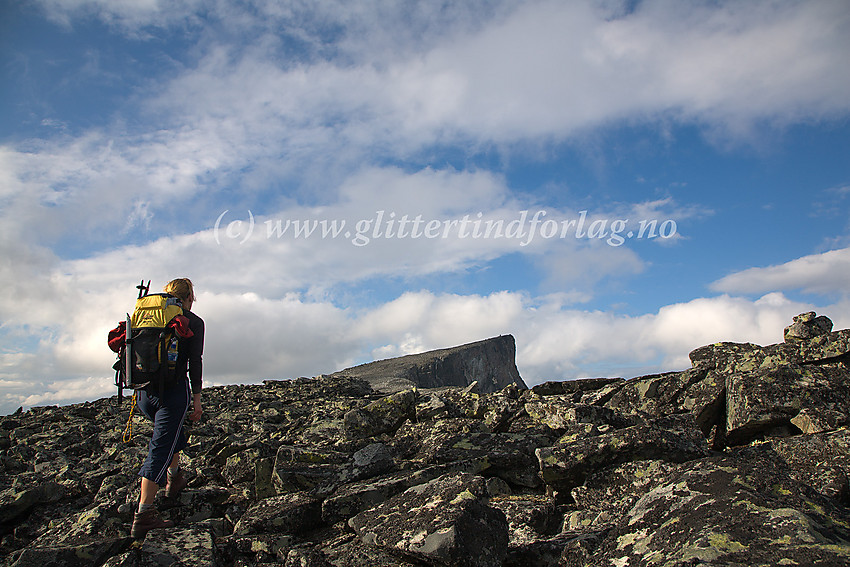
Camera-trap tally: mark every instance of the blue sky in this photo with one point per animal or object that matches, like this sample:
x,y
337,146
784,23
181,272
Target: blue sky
x,y
151,139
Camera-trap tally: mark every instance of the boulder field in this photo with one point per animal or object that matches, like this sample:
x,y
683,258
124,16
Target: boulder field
x,y
448,459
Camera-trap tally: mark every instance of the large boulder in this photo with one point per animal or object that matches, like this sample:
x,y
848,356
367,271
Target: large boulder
x,y
381,416
443,522
699,391
350,499
763,402
727,511
566,466
807,326
288,514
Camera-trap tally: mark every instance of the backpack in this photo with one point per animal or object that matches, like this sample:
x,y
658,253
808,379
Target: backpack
x,y
147,342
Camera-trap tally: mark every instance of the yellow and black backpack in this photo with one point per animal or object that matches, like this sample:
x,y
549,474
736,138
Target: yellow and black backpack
x,y
147,342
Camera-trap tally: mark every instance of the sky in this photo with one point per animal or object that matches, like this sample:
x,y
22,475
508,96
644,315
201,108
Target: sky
x,y
614,183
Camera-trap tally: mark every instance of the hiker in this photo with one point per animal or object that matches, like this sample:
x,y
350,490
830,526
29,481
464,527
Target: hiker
x,y
168,412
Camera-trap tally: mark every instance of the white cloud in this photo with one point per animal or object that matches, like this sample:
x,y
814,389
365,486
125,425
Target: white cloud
x,y
250,338
544,69
497,72
826,273
294,133
245,116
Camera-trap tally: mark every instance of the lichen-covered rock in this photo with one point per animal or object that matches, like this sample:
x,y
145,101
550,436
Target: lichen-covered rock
x,y
566,466
573,388
807,326
342,548
288,514
509,456
610,492
240,466
832,345
700,391
15,503
353,498
725,511
300,557
445,522
305,468
559,413
530,517
820,461
370,461
763,402
411,438
817,420
191,545
381,416
449,403
89,553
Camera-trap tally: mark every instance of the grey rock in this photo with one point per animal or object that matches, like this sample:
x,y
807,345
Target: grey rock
x,y
288,514
381,416
444,522
530,517
763,402
573,388
726,511
370,461
178,546
353,498
807,326
305,468
566,466
699,391
90,553
817,420
15,503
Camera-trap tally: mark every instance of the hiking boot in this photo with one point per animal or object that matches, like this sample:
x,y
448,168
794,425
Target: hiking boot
x,y
147,521
175,484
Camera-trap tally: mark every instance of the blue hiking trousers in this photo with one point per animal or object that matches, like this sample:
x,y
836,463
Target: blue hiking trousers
x,y
168,437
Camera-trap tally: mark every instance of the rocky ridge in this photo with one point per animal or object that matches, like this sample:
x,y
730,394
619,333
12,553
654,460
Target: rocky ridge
x,y
743,459
490,363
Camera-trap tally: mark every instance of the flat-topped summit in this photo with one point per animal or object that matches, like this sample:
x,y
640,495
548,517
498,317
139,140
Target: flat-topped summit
x,y
490,362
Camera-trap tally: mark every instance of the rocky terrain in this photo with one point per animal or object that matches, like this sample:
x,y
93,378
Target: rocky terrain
x,y
742,459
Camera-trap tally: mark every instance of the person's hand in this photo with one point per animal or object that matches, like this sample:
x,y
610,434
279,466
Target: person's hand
x,y
197,411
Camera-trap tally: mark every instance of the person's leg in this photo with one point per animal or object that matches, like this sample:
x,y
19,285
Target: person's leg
x,y
166,440
177,480
149,489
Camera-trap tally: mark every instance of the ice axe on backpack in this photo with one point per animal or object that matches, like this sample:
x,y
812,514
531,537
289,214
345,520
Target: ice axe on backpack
x,y
121,342
128,337
143,289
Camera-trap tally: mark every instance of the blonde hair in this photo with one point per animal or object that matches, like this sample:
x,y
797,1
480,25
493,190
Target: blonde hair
x,y
182,288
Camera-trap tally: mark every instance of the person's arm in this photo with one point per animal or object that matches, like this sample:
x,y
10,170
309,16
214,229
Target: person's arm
x,y
196,366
